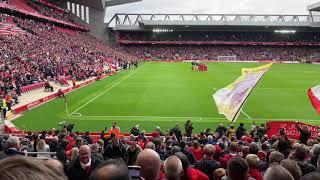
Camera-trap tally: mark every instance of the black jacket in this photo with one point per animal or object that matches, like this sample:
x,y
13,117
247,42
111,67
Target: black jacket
x,y
112,152
306,167
240,132
76,172
207,166
10,152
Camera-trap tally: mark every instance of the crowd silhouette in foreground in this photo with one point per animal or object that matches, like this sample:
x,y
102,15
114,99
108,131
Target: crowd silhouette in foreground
x,y
226,153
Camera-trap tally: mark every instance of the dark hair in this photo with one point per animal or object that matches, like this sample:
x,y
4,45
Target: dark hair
x,y
238,169
301,153
253,149
121,173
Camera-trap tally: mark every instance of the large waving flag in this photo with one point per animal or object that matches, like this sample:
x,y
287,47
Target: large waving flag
x,y
229,100
314,96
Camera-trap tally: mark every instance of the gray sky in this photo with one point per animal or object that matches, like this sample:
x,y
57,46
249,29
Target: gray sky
x,y
214,7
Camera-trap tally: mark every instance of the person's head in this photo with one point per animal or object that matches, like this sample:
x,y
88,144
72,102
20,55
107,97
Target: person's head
x,y
300,153
252,160
13,142
245,151
219,173
175,149
150,145
233,147
41,145
238,169
132,147
94,148
241,124
184,160
173,168
115,141
277,172
114,124
113,169
195,144
26,168
275,157
292,167
253,148
209,150
84,154
145,159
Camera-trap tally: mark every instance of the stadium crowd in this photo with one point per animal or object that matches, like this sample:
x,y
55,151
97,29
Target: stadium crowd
x,y
46,52
212,52
226,153
51,12
234,36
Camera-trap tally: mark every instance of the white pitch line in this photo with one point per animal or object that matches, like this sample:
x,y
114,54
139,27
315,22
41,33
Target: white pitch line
x,y
162,117
104,92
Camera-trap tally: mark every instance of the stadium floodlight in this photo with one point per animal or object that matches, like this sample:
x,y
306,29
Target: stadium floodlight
x,y
285,31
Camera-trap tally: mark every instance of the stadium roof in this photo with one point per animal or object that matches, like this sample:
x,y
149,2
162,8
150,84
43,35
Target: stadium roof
x,y
314,7
141,22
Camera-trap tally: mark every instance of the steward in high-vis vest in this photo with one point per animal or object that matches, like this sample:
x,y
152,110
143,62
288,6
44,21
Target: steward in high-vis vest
x,y
4,108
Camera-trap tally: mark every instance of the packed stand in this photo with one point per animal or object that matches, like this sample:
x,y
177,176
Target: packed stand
x,y
50,12
224,154
229,36
45,53
212,52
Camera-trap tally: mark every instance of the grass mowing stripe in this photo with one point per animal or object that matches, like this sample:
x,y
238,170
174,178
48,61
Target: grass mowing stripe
x,y
104,92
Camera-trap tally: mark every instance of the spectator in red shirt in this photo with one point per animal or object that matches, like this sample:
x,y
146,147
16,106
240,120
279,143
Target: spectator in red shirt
x,y
190,173
196,150
253,162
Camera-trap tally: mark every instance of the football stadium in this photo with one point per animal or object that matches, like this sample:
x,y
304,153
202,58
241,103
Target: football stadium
x,y
200,96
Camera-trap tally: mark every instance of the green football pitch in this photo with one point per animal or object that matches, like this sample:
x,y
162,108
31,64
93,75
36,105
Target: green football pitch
x,y
163,94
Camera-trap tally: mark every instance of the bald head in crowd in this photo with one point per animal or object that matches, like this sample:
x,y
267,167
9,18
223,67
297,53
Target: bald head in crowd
x,y
113,169
173,168
277,172
149,161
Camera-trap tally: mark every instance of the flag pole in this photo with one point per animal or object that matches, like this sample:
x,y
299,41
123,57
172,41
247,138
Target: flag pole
x,y
234,117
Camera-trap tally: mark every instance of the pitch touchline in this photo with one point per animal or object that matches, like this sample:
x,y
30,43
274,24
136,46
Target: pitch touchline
x,y
103,92
162,117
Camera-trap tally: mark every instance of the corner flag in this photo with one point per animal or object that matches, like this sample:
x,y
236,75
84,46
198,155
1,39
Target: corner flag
x,y
229,100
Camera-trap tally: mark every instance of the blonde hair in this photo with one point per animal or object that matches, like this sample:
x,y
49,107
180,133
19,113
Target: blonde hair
x,y
41,145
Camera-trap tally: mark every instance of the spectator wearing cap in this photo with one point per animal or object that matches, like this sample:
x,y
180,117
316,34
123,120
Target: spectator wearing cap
x,y
83,165
253,162
190,173
131,153
207,164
